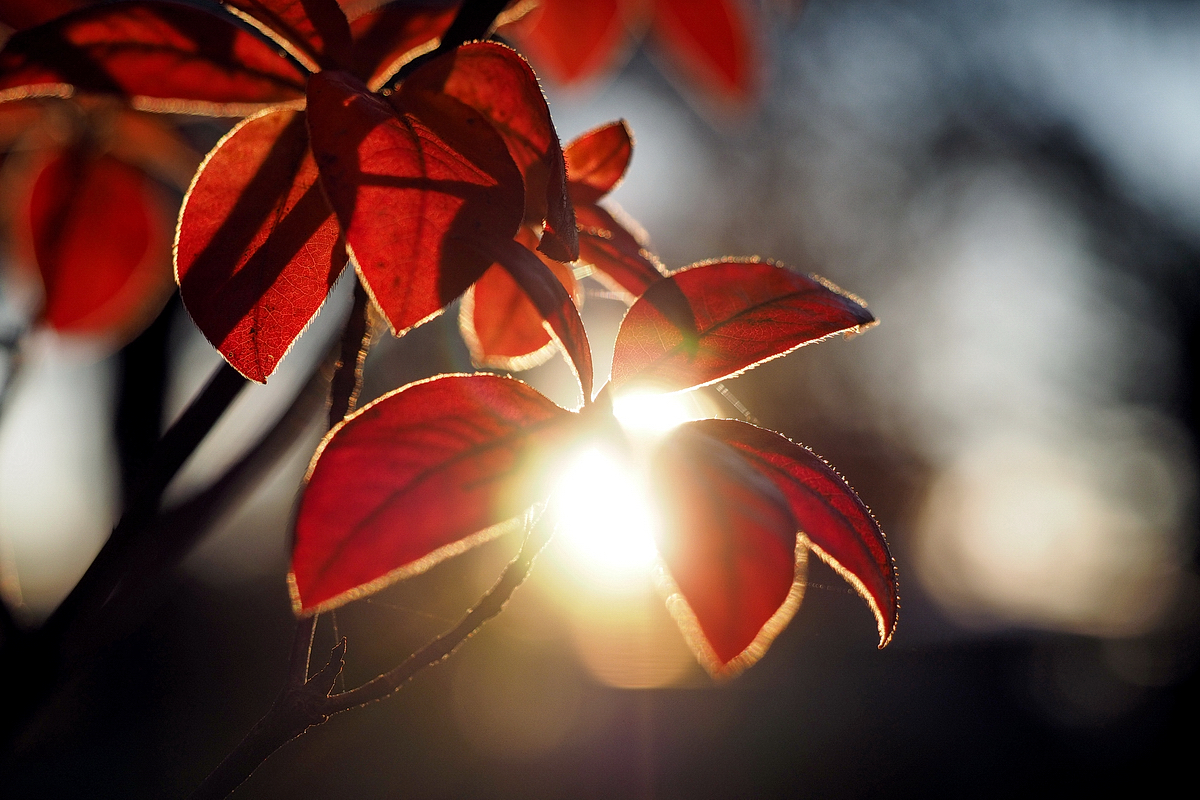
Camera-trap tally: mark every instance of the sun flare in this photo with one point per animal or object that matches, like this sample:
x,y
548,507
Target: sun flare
x,y
606,518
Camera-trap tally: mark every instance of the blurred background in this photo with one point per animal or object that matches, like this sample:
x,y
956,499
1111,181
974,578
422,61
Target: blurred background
x,y
1014,188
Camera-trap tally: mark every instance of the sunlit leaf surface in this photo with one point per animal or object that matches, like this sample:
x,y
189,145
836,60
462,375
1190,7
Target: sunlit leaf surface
x,y
167,52
499,84
414,477
728,540
711,321
258,246
417,194
839,527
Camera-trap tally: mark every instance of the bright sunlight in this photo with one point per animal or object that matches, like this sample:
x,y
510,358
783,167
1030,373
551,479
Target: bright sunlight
x,y
607,520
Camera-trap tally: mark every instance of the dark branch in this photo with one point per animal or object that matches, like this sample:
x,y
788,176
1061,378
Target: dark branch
x,y
356,339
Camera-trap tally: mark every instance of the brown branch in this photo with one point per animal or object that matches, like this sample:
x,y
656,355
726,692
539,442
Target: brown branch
x,y
105,573
297,708
175,532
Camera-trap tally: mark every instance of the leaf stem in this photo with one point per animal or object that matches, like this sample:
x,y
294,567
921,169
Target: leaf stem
x,y
356,340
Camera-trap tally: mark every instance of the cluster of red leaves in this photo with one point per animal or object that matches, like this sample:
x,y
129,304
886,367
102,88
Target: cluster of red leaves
x,y
709,43
503,329
453,178
83,200
426,471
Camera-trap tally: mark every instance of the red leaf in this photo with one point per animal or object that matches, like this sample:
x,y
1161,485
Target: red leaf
x,y
573,40
99,236
710,41
318,28
388,38
154,52
502,327
597,161
710,321
417,476
555,305
258,246
417,194
499,84
839,528
729,542
27,13
624,265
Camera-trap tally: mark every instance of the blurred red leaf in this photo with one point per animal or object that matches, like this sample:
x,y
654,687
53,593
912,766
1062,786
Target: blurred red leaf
x,y
554,304
418,192
499,84
162,51
597,160
573,40
839,528
710,321
417,476
99,240
387,38
27,13
729,542
317,27
710,42
501,325
258,246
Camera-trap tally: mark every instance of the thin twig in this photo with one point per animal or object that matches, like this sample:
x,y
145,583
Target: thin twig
x,y
440,648
305,704
297,707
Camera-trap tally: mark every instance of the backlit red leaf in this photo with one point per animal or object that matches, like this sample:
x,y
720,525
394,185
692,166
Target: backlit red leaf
x,y
555,305
839,528
258,246
417,194
729,542
597,161
387,38
624,265
154,52
99,236
573,40
417,476
709,322
502,327
318,28
499,84
711,42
